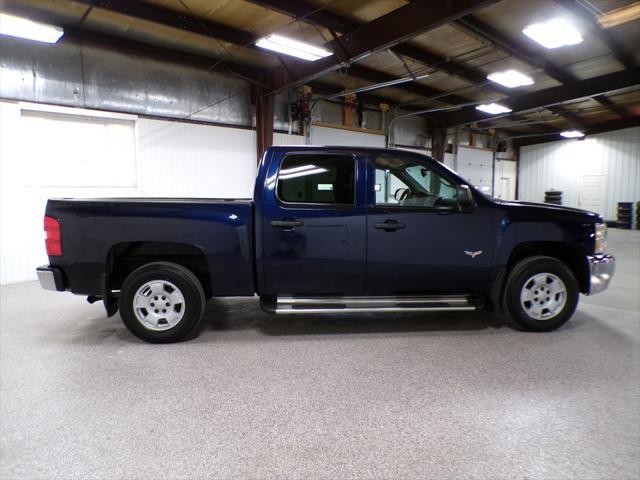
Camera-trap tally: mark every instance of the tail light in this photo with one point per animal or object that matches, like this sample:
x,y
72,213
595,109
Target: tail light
x,y
54,240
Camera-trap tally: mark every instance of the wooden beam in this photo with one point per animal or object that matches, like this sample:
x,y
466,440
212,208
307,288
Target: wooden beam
x,y
590,18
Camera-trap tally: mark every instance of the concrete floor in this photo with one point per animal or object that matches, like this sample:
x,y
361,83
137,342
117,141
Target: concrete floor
x,y
254,396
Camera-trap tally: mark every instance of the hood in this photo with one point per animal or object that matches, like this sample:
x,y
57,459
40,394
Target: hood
x,y
549,211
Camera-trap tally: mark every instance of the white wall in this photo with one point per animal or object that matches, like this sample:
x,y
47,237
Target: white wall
x,y
615,156
339,136
190,160
98,154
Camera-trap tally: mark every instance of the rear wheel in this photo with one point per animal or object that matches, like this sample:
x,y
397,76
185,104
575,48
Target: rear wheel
x,y
541,294
161,302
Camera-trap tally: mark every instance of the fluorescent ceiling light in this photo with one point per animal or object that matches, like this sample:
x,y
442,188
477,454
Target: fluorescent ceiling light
x,y
25,28
288,46
572,134
510,78
493,108
554,33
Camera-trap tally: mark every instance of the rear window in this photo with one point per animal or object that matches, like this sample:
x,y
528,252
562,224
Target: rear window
x,y
321,179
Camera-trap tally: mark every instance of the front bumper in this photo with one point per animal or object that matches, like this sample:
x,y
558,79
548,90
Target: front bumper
x,y
50,278
601,268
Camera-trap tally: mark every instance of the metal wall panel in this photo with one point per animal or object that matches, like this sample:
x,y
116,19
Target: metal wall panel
x,y
559,165
113,81
68,73
17,65
58,74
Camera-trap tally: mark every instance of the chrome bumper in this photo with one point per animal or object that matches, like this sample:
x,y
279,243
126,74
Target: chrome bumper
x,y
50,278
601,268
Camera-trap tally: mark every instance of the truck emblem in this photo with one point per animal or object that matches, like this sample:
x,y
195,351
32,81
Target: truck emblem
x,y
473,254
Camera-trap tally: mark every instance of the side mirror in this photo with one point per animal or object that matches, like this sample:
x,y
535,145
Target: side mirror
x,y
466,202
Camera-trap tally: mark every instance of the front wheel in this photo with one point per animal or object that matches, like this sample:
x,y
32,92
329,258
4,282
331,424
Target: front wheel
x,y
161,302
541,294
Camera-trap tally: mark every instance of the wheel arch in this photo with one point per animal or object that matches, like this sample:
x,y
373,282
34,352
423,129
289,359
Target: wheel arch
x,y
562,251
124,258
559,250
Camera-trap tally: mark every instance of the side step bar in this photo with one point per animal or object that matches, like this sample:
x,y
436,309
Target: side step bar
x,y
297,305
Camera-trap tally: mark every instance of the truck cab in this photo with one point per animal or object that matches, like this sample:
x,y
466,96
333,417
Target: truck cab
x,y
330,229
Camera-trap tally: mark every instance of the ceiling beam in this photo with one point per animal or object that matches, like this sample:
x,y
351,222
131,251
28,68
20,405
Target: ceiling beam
x,y
515,47
176,19
606,102
590,18
590,129
182,21
307,12
590,87
574,119
523,52
74,33
149,50
422,91
383,32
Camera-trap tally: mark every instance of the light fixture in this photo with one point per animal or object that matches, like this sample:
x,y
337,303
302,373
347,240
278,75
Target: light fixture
x,y
493,108
510,78
25,28
554,33
288,46
572,134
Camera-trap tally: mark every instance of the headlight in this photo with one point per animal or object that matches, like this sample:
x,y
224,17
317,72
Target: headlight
x,y
601,238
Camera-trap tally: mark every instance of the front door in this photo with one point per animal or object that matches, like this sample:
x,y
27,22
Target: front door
x,y
590,193
417,240
313,226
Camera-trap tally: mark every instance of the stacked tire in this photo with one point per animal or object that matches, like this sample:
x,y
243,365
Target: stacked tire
x,y
625,210
553,196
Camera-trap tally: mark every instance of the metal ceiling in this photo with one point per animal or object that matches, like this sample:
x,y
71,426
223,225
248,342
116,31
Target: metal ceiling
x,y
458,42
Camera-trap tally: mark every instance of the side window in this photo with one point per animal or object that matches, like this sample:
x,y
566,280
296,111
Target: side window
x,y
407,182
313,178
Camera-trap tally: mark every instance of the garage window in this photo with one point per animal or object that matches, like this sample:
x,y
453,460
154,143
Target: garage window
x,y
317,179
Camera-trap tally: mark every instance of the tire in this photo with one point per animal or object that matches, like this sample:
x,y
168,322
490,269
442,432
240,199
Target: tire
x,y
169,316
554,284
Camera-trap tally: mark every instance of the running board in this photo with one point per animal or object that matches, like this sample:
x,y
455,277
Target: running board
x,y
288,305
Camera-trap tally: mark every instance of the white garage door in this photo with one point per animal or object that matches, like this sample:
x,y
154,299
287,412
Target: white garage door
x,y
476,166
55,155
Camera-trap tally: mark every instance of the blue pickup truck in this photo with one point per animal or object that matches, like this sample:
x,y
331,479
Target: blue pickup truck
x,y
330,229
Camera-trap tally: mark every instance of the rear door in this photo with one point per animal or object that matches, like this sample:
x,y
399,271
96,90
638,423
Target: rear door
x,y
314,225
417,240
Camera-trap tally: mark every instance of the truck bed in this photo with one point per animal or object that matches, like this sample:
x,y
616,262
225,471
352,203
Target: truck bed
x,y
95,228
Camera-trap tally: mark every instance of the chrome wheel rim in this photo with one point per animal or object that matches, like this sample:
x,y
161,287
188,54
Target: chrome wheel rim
x,y
158,305
543,296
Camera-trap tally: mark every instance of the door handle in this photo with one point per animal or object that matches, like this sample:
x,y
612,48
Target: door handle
x,y
389,225
287,224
